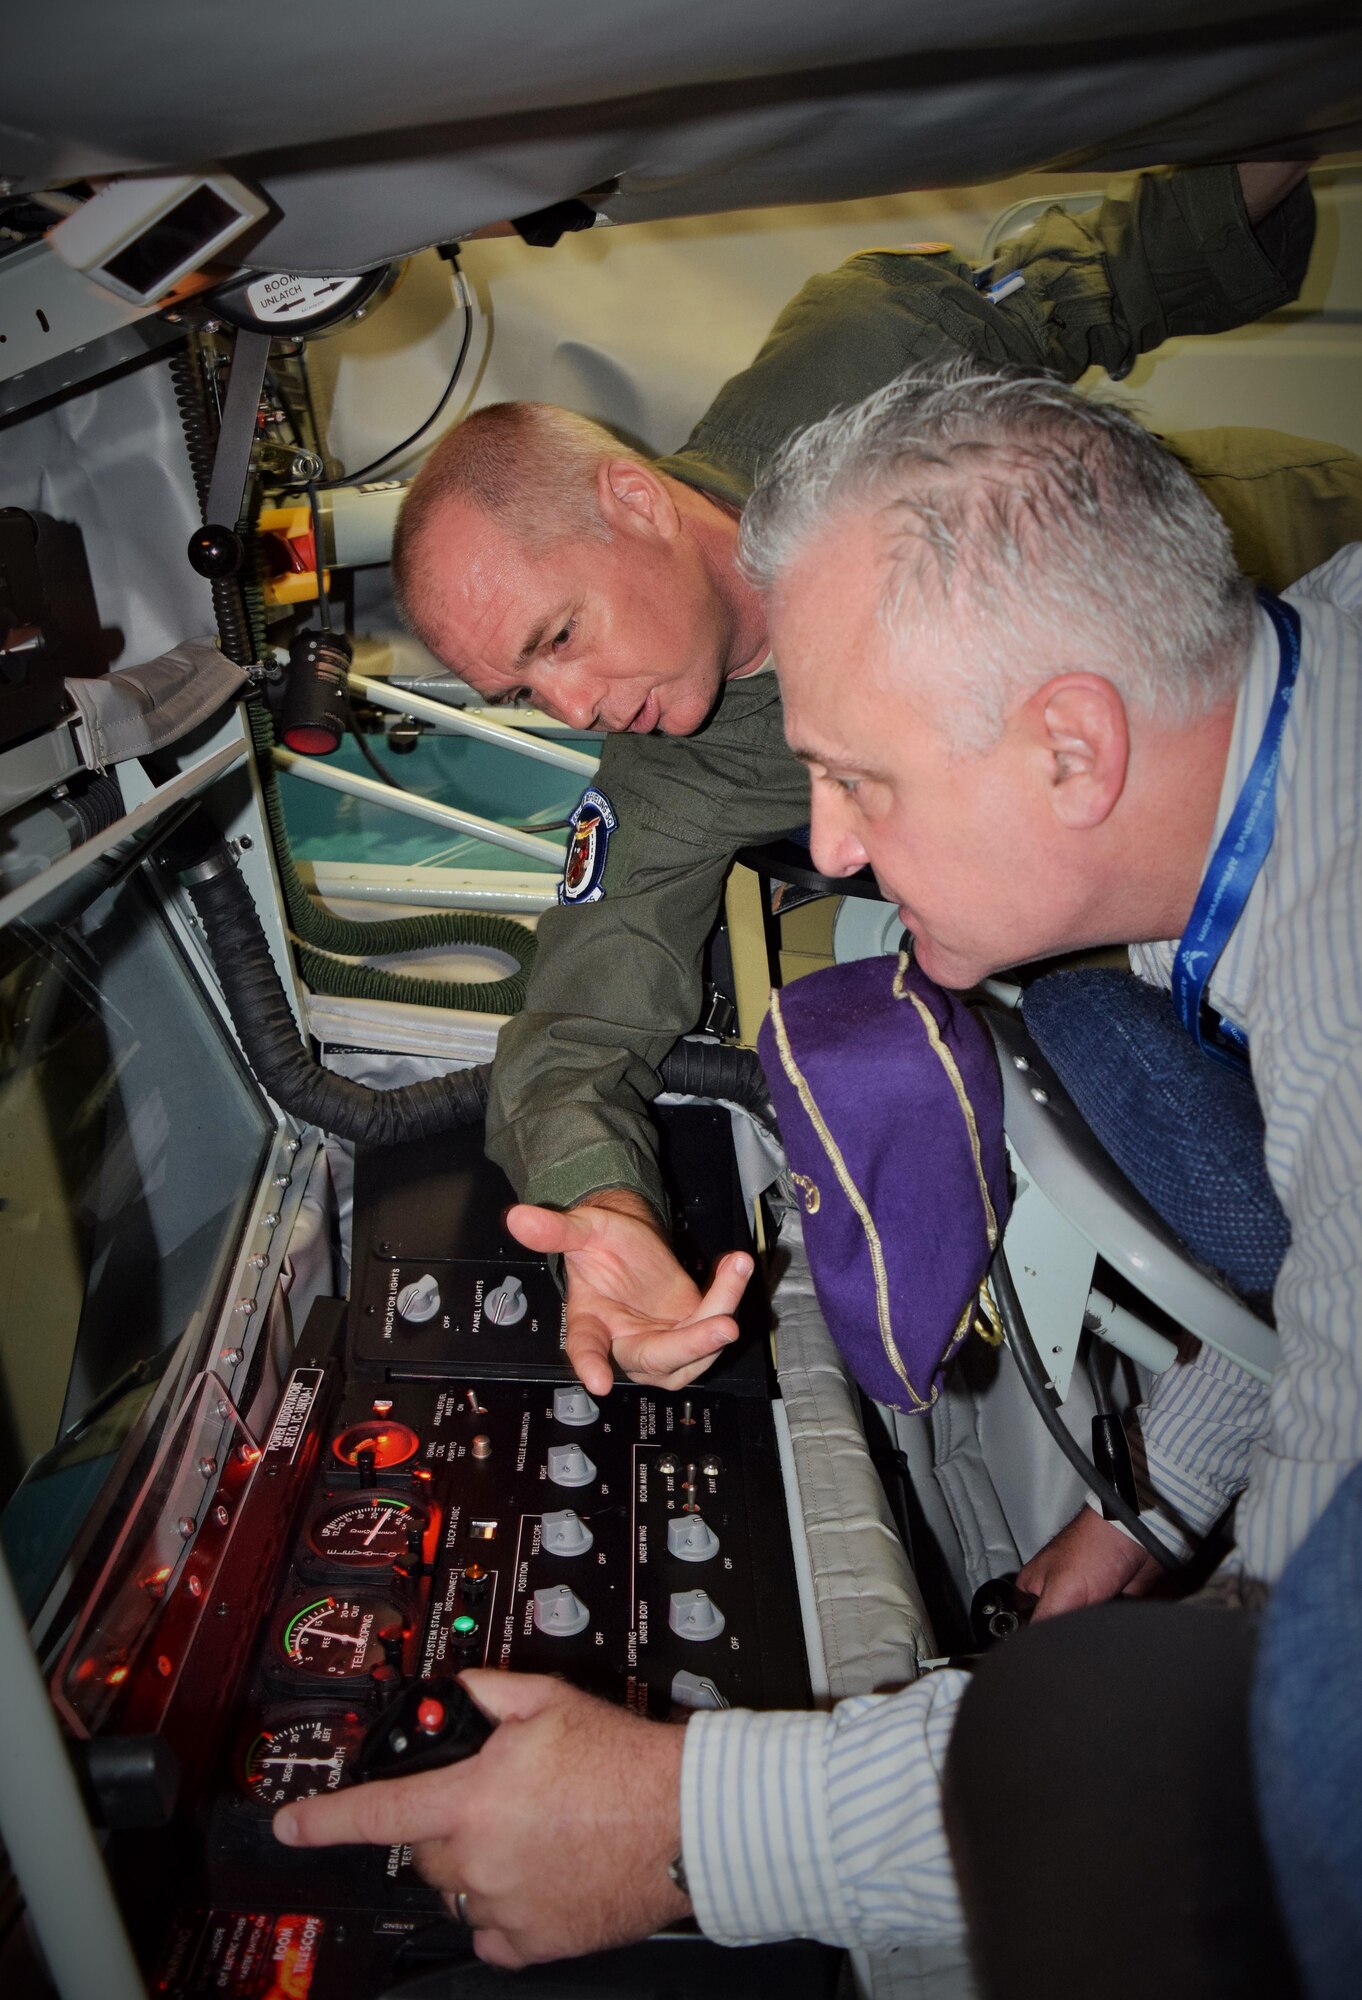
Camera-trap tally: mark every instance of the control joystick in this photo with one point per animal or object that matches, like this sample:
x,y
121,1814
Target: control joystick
x,y
428,1725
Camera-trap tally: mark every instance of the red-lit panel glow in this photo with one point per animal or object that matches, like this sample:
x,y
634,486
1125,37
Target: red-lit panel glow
x,y
386,1444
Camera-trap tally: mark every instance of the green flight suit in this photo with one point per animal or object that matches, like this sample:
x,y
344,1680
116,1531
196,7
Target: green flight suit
x,y
617,980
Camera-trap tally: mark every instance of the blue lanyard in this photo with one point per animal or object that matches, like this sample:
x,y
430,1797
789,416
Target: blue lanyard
x,y
1240,853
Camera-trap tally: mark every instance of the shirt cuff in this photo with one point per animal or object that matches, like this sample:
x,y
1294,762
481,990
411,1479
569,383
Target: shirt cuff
x,y
823,1826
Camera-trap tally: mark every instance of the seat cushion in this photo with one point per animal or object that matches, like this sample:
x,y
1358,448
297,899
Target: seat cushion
x,y
1185,1129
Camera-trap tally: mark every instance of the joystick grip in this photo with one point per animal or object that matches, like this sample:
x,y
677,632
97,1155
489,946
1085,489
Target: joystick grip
x,y
429,1724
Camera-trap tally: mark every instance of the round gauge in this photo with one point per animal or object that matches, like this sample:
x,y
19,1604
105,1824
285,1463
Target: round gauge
x,y
368,1531
376,1441
295,1757
337,1638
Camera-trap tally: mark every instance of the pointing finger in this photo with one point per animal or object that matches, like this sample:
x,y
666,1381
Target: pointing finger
x,y
400,1810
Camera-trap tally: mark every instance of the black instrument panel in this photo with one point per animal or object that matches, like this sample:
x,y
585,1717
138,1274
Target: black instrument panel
x,y
442,1500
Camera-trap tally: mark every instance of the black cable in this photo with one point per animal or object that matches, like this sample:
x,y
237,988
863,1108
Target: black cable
x,y
276,1051
375,763
319,566
396,450
1032,1371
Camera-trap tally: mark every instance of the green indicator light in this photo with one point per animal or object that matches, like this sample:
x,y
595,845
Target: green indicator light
x,y
464,1624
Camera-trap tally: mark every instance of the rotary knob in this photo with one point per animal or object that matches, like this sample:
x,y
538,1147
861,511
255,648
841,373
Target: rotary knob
x,y
565,1534
419,1301
572,1405
693,1614
559,1613
506,1303
570,1466
691,1539
692,1691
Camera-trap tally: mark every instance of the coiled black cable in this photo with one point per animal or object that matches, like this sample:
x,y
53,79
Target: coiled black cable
x,y
275,1050
235,634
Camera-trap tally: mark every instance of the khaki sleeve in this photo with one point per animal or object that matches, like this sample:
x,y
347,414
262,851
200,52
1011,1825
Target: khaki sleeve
x,y
1167,253
1289,502
616,981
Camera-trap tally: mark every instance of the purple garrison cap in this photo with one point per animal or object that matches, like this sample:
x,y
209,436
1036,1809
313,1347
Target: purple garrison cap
x,y
891,1110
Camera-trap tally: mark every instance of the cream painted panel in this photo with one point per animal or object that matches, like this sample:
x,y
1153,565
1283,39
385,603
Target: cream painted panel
x,y
638,326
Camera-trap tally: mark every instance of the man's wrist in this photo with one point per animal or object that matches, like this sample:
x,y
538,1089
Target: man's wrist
x,y
625,1201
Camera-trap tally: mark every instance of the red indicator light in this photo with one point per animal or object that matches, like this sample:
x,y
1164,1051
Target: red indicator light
x,y
116,1677
430,1716
383,1406
381,1445
165,1666
249,1453
422,1474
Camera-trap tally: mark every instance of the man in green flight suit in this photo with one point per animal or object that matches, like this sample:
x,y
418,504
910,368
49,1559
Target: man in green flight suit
x,y
535,553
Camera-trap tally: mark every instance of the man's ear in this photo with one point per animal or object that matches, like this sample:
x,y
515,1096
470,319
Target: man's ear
x,y
1085,742
634,499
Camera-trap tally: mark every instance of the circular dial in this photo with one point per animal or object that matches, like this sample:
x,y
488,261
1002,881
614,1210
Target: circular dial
x,y
337,1638
378,1440
369,1532
295,1757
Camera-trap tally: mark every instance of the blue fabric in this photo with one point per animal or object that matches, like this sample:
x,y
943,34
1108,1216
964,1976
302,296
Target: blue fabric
x,y
1185,1130
1306,1732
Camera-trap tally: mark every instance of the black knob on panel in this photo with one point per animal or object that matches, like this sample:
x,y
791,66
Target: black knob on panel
x,y
215,551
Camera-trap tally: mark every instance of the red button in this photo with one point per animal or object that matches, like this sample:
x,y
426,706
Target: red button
x,y
430,1716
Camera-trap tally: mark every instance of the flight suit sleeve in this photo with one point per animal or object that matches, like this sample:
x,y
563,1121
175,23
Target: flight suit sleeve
x,y
1166,254
617,980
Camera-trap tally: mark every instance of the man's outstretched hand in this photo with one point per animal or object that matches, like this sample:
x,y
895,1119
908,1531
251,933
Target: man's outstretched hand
x,y
628,1298
1088,1562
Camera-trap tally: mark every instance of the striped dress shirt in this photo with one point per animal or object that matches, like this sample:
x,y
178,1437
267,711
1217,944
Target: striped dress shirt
x,y
830,1826
1291,977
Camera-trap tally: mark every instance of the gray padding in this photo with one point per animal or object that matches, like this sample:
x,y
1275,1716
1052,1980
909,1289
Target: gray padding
x,y
140,709
405,136
967,1488
873,1622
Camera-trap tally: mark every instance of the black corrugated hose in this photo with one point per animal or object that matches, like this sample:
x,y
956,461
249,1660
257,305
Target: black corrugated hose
x,y
275,1050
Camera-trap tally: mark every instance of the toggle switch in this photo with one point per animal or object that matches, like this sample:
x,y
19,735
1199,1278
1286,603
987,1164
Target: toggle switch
x,y
693,1614
475,1582
565,1534
691,1539
570,1466
419,1301
572,1405
559,1613
506,1303
694,1691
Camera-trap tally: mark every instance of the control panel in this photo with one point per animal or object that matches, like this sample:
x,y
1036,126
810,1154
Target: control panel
x,y
440,1492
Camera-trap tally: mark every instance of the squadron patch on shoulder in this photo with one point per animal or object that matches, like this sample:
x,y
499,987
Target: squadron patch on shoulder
x,y
592,822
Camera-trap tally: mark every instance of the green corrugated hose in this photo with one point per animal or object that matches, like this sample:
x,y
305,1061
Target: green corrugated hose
x,y
321,933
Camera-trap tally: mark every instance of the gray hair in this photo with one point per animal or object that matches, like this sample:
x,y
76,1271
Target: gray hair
x,y
530,467
1047,521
